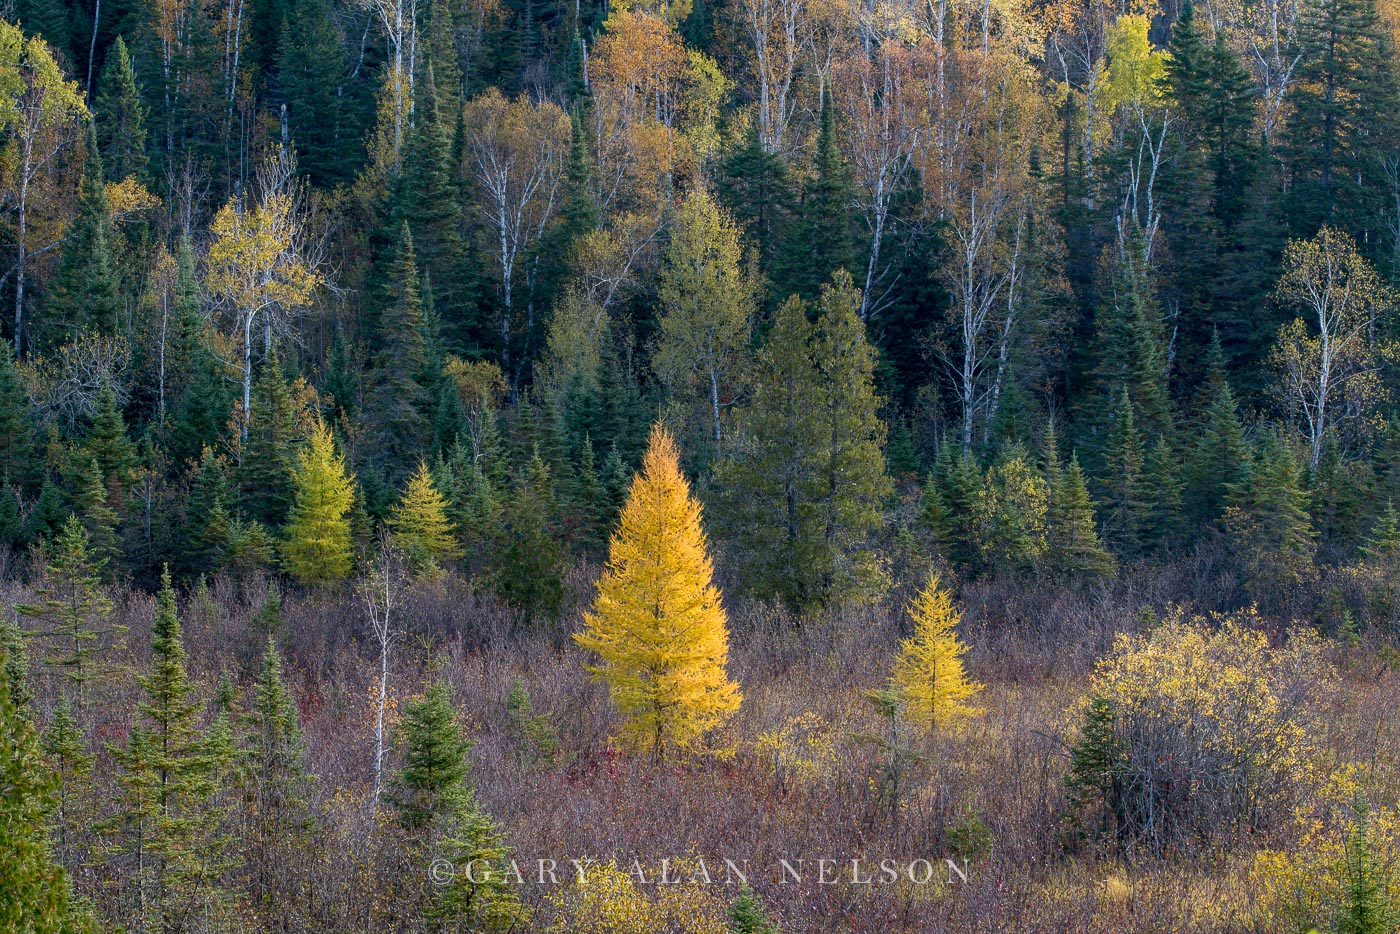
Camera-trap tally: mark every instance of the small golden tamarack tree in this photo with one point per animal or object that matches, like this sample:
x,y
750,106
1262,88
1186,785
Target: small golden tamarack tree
x,y
420,524
318,547
929,673
657,625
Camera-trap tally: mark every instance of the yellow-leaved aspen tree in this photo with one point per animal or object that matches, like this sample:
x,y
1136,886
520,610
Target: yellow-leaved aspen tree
x,y
259,264
657,625
40,114
929,674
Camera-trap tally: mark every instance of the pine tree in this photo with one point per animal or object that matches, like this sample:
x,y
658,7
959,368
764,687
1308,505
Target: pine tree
x,y
657,626
317,545
420,524
930,674
120,117
86,291
72,612
35,894
311,71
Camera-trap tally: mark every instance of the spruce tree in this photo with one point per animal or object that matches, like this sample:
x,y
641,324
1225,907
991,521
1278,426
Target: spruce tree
x,y
276,781
120,117
1343,120
35,893
396,425
804,487
65,746
311,72
1125,500
1071,533
754,188
528,564
269,456
71,615
1382,545
16,423
1162,492
1267,518
1127,353
820,241
657,626
746,915
86,291
437,807
1220,454
168,826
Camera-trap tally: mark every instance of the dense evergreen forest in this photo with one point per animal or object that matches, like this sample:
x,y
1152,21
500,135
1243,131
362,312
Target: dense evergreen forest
x,y
670,444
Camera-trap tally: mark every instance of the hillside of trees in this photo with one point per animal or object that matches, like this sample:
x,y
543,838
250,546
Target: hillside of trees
x,y
951,447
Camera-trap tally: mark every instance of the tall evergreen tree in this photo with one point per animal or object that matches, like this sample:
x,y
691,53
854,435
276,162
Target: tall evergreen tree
x,y
269,455
168,828
16,423
1345,119
71,614
35,893
395,400
821,240
120,117
86,292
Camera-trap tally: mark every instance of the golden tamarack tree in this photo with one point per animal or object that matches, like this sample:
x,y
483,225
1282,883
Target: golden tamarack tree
x,y
420,524
929,674
657,626
318,547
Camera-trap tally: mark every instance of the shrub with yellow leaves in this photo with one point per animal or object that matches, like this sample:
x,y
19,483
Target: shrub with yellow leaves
x,y
614,900
1196,729
799,751
1342,872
